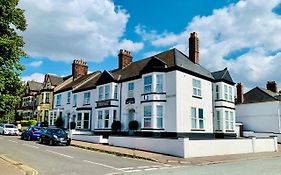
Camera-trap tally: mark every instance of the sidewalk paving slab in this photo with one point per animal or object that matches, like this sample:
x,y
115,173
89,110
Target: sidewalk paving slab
x,y
166,159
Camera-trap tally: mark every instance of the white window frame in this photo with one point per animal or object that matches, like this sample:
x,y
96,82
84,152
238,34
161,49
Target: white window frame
x,y
196,86
74,100
107,92
226,119
88,127
159,116
131,87
159,83
100,93
115,94
147,116
230,96
225,92
58,100
68,97
106,118
218,120
148,85
231,120
217,92
100,120
87,97
197,118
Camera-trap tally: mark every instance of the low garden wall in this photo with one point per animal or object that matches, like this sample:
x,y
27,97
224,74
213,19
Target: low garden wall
x,y
183,147
89,138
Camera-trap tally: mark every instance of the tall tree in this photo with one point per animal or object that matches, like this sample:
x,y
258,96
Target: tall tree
x,y
12,21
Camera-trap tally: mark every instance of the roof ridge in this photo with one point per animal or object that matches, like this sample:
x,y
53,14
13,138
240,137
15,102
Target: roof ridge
x,y
94,74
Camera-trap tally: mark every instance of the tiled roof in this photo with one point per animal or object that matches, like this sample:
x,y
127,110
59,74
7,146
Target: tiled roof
x,y
258,94
223,75
34,85
55,80
76,82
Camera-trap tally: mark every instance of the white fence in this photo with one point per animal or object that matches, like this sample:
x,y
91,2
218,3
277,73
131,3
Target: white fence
x,y
89,138
183,147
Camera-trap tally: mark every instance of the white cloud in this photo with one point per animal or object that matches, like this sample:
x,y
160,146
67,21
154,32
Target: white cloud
x,y
36,64
68,29
35,76
251,25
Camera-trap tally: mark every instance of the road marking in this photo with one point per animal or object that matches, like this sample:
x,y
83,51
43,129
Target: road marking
x,y
141,167
131,171
150,169
100,164
127,168
54,152
13,141
31,146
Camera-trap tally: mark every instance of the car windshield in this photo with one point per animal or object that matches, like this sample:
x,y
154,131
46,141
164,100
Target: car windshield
x,y
58,132
10,126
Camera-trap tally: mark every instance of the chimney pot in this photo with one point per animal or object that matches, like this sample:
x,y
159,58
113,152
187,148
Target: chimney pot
x,y
272,86
125,58
194,48
79,68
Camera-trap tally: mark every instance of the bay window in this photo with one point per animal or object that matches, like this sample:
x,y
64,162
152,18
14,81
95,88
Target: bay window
x,y
147,84
147,117
115,92
226,118
218,120
159,83
99,119
101,93
106,118
106,92
159,119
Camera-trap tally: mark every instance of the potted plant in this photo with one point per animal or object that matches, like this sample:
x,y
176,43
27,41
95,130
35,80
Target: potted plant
x,y
116,126
133,126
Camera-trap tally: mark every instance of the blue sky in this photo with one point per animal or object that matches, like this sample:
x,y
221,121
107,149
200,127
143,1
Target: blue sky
x,y
231,33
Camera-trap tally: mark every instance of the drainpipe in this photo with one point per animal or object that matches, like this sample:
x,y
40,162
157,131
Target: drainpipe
x,y
120,103
278,115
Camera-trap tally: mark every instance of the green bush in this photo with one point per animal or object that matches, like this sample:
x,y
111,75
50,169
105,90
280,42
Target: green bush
x,y
116,126
32,122
134,125
59,122
24,123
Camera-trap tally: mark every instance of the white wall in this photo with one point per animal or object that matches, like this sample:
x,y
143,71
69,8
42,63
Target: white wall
x,y
184,102
183,147
259,117
89,138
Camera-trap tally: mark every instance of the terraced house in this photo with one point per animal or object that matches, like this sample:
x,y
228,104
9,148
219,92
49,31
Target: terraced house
x,y
170,95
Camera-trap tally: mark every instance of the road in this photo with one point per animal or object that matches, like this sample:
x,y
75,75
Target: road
x,y
68,160
267,166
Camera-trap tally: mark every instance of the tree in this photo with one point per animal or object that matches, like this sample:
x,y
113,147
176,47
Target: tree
x,y
12,20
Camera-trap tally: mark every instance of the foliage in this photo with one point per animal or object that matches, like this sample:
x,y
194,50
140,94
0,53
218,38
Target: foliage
x,y
24,123
133,125
32,122
59,122
116,126
11,49
72,125
18,117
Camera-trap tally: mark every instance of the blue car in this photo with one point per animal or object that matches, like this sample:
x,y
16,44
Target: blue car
x,y
32,133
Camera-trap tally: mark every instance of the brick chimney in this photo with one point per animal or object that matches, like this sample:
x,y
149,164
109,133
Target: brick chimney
x,y
79,68
125,58
194,48
272,86
240,93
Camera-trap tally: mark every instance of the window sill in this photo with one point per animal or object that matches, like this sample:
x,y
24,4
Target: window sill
x,y
151,93
194,96
86,104
218,100
197,129
229,130
157,129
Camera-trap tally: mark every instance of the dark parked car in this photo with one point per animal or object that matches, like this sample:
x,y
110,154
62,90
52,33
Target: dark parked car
x,y
32,133
54,136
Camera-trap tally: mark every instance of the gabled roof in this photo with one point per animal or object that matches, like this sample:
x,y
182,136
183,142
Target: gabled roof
x,y
258,94
223,76
34,85
55,80
91,84
106,77
76,82
173,59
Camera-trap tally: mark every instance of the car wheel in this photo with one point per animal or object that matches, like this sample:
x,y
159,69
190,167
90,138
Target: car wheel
x,y
21,137
40,141
51,142
28,138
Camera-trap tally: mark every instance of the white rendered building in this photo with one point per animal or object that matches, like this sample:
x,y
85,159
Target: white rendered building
x,y
169,94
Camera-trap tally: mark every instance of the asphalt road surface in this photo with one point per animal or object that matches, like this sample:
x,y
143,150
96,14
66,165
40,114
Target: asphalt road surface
x,y
68,160
266,166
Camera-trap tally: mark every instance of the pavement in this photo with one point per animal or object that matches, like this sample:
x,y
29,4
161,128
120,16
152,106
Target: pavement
x,y
166,159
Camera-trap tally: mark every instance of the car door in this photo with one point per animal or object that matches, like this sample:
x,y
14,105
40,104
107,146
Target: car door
x,y
44,135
